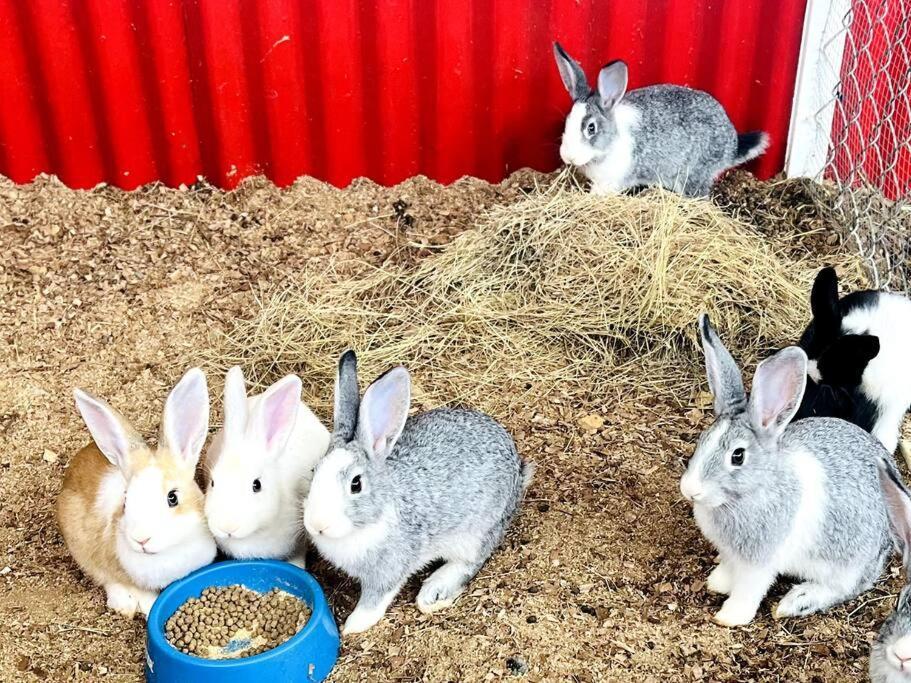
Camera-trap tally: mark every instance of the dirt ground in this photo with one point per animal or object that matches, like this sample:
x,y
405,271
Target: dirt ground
x,y
602,576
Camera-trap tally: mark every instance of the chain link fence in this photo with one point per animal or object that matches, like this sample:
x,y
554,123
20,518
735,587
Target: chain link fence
x,y
868,122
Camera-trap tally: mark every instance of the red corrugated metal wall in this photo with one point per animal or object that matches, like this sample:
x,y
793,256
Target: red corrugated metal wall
x,y
130,91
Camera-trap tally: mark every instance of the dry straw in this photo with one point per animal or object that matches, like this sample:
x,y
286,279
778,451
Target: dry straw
x,y
562,288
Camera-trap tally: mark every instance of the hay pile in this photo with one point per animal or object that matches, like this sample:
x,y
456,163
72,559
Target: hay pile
x,y
559,287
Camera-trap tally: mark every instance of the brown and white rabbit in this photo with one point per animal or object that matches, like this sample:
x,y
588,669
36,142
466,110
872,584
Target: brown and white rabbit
x,y
132,516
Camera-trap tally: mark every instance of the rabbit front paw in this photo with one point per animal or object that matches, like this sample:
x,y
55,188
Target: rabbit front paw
x,y
735,613
720,579
121,599
361,619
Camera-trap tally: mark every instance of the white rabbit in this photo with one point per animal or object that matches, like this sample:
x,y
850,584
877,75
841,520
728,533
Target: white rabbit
x,y
132,516
259,469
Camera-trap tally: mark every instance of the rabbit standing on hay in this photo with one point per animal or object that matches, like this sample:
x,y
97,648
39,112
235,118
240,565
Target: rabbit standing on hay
x,y
666,135
800,499
132,517
259,468
396,493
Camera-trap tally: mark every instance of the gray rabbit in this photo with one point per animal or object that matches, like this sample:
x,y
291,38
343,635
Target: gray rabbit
x,y
667,135
396,493
774,498
890,657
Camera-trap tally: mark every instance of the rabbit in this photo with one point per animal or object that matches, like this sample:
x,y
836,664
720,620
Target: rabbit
x,y
890,655
396,493
259,468
666,135
800,499
859,366
132,516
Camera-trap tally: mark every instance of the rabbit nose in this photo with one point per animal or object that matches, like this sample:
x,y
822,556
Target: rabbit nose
x,y
690,488
902,651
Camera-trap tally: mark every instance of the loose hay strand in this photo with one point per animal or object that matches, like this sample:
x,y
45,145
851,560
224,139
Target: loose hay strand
x,y
563,286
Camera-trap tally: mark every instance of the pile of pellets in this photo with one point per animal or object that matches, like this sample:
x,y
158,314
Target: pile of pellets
x,y
234,621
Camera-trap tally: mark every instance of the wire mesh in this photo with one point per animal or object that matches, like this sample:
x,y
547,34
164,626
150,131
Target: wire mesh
x,y
869,155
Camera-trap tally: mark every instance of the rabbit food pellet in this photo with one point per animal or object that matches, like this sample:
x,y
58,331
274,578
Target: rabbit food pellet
x,y
233,621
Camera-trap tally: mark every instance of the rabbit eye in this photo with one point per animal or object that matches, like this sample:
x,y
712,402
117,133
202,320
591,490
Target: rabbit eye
x,y
737,457
356,484
257,486
172,498
591,128
211,483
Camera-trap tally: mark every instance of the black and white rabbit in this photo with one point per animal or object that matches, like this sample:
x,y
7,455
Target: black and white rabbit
x,y
859,364
666,135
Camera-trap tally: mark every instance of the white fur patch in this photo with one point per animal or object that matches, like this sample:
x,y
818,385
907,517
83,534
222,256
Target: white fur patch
x,y
347,551
324,509
574,148
808,521
178,540
887,379
111,493
813,370
692,485
611,170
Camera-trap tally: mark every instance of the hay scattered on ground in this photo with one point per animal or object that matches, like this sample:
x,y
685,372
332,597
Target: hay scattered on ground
x,y
562,286
827,218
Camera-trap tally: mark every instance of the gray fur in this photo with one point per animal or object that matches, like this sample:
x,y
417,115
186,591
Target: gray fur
x,y
883,666
347,397
896,626
748,478
452,472
766,489
725,380
683,139
447,489
571,73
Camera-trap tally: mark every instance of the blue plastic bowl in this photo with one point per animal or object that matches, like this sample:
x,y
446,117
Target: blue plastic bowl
x,y
307,656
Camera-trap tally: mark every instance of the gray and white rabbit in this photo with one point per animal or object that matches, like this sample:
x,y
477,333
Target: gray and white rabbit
x,y
666,135
890,656
395,493
800,499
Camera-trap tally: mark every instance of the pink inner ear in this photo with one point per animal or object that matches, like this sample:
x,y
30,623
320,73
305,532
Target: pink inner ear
x,y
279,411
276,421
775,387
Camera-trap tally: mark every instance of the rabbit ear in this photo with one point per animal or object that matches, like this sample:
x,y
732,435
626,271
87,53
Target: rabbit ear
x,y
778,387
898,505
112,434
186,417
612,82
235,418
725,381
277,412
824,300
383,412
571,73
347,397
